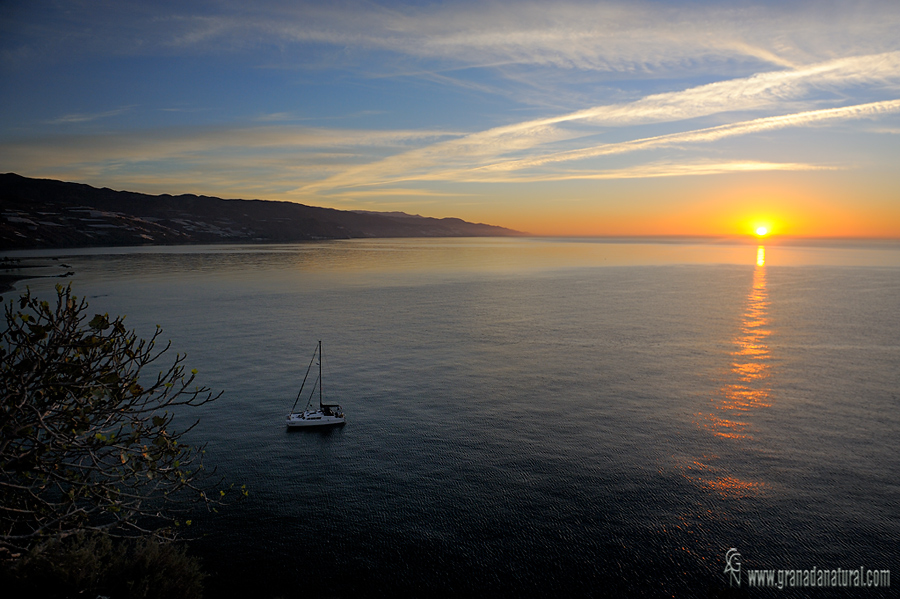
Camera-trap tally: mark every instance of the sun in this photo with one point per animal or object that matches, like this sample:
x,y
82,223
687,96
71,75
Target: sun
x,y
762,231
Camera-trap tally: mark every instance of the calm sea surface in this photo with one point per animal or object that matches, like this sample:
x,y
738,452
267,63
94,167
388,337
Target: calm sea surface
x,y
534,417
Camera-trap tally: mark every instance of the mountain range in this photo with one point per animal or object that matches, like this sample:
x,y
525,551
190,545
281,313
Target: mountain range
x,y
44,213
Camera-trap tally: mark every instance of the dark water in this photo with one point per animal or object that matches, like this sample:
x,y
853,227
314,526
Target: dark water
x,y
536,418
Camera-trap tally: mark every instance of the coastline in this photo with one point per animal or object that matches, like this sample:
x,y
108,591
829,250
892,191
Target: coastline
x,y
13,270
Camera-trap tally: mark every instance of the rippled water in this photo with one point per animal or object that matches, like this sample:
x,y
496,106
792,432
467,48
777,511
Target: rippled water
x,y
534,417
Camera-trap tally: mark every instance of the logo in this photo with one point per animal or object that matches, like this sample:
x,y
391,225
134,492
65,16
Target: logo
x,y
733,566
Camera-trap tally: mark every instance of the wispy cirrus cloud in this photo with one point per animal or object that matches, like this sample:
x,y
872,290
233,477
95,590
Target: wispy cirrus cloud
x,y
260,161
642,39
706,135
646,171
198,141
335,161
625,37
760,91
85,117
423,165
502,148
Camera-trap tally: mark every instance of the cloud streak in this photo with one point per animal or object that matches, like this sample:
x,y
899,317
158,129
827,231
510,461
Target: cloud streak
x,y
485,150
184,143
621,37
88,117
648,171
344,160
709,134
616,37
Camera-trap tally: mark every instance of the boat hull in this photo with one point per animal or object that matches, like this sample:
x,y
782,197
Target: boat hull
x,y
308,419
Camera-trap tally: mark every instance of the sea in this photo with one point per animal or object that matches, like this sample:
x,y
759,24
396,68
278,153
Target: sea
x,y
535,417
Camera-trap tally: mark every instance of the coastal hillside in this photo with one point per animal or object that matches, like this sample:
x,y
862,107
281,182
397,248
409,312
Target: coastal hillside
x,y
43,213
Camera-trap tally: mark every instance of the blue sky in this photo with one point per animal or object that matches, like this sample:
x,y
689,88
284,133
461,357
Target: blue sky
x,y
551,117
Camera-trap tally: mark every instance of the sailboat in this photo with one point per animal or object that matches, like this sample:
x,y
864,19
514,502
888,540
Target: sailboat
x,y
327,414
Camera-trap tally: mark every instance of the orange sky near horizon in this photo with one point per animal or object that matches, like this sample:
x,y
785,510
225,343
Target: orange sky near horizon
x,y
733,208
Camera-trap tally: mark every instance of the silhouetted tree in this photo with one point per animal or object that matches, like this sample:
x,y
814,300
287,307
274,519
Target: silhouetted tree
x,y
86,442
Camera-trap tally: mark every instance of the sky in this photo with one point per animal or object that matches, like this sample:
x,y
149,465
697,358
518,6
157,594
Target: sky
x,y
554,118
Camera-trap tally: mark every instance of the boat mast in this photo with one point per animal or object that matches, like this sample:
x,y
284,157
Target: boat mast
x,y
320,373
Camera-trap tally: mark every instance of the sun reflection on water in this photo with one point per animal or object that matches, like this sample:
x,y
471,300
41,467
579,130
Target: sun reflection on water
x,y
745,390
751,363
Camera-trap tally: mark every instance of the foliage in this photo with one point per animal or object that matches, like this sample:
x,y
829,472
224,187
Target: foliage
x,y
95,564
85,436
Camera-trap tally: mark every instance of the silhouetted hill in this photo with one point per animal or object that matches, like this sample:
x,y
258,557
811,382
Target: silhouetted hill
x,y
43,213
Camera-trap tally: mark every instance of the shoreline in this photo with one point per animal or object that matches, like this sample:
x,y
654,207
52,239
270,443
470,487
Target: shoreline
x,y
9,277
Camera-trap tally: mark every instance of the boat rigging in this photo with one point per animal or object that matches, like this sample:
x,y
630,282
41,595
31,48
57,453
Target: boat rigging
x,y
327,414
